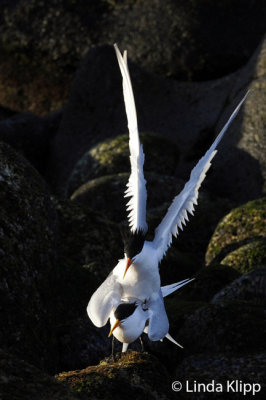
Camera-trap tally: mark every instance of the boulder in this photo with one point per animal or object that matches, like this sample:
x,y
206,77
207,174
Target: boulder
x,y
190,114
235,326
241,226
223,369
23,381
250,287
31,136
208,282
106,194
133,375
41,43
28,262
247,257
112,156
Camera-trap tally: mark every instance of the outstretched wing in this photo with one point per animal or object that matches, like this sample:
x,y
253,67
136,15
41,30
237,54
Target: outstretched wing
x,y
136,186
106,297
183,203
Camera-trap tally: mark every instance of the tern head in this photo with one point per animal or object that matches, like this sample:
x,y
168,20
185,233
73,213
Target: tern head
x,y
123,311
133,245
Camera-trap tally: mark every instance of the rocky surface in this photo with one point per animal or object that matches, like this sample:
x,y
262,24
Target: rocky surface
x,y
44,41
20,380
241,226
28,261
55,251
201,368
249,287
226,327
112,156
134,375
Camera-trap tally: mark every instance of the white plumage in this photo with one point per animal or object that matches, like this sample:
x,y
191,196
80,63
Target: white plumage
x,y
138,276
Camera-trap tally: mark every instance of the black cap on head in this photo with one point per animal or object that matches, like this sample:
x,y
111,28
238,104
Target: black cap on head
x,y
133,243
124,310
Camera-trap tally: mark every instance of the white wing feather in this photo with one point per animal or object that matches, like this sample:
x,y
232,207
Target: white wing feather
x,y
177,213
136,186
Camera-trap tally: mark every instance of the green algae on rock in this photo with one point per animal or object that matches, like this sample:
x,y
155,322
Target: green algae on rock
x,y
28,259
247,257
241,226
22,381
133,376
112,156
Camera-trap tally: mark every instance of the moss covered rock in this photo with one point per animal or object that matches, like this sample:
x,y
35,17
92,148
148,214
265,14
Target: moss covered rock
x,y
112,156
28,260
250,287
247,257
223,368
134,375
241,226
106,194
23,381
235,326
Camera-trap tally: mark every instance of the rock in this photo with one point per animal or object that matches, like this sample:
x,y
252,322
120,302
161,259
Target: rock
x,y
28,262
190,114
106,194
89,247
41,44
31,136
208,281
222,368
242,225
112,156
250,287
234,326
134,375
23,381
247,257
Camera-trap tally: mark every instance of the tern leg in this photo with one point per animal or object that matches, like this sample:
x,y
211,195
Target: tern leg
x,y
124,348
113,349
142,345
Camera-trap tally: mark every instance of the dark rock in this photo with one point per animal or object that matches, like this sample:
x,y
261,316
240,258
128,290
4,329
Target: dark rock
x,y
134,375
250,287
222,368
247,257
235,326
239,227
41,42
106,194
208,281
112,156
22,381
190,114
28,262
31,136
89,246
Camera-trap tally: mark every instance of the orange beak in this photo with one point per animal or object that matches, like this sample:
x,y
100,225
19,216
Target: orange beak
x,y
129,262
117,323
